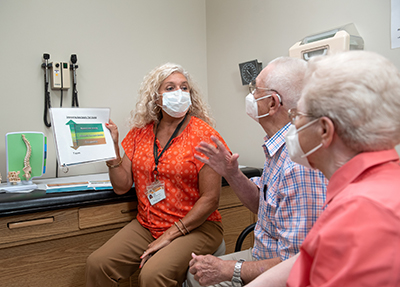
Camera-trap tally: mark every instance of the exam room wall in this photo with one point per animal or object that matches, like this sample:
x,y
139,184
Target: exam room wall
x,y
116,42
239,31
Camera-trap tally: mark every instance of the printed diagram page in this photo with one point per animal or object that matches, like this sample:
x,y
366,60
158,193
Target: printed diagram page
x,y
80,135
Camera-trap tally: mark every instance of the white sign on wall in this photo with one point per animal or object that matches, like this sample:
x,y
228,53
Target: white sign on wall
x,y
395,25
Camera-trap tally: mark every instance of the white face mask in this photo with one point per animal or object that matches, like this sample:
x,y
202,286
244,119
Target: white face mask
x,y
176,103
252,107
296,154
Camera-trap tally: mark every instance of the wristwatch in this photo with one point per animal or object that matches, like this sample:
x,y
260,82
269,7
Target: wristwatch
x,y
236,280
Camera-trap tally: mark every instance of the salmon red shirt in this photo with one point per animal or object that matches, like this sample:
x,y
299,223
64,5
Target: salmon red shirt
x,y
356,240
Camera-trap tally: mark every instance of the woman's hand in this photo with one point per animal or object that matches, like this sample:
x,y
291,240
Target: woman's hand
x,y
113,130
120,168
161,242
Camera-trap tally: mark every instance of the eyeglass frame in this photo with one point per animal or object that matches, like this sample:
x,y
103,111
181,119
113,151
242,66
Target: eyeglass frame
x,y
293,113
253,88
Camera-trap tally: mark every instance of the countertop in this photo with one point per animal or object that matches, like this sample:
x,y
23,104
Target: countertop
x,y
38,200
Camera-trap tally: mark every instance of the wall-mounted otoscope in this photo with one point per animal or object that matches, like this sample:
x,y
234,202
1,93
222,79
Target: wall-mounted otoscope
x,y
57,76
47,104
73,67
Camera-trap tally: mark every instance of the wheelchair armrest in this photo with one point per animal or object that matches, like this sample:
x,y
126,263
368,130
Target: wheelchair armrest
x,y
243,235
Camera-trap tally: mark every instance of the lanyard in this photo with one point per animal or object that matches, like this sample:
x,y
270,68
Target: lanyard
x,y
155,149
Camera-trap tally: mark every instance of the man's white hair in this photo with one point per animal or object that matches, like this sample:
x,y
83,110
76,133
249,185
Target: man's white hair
x,y
286,78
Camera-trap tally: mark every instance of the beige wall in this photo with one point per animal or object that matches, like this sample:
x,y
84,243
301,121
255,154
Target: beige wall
x,y
238,31
118,42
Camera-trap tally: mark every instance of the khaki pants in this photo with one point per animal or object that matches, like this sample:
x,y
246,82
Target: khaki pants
x,y
119,257
245,254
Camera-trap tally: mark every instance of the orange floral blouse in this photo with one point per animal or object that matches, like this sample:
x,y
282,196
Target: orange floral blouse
x,y
178,169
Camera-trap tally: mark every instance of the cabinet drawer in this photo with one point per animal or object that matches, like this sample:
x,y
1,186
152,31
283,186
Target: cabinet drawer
x,y
37,225
107,214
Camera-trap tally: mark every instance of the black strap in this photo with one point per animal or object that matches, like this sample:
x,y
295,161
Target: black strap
x,y
155,149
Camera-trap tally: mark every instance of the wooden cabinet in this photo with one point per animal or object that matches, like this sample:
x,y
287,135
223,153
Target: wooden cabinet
x,y
50,248
235,218
106,214
23,229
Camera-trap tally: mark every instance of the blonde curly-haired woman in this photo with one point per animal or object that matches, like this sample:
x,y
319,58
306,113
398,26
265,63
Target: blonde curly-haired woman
x,y
177,195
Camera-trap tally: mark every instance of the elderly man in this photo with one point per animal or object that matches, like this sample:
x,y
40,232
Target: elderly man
x,y
288,197
348,115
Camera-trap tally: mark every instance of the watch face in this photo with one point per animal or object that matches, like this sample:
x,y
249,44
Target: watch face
x,y
249,71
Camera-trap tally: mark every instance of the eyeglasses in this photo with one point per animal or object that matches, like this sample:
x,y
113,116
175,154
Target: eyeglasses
x,y
294,113
253,88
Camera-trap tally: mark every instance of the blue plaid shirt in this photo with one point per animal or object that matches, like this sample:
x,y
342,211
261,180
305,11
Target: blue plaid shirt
x,y
291,199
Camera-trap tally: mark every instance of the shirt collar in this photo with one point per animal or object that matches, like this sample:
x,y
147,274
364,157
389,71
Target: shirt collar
x,y
351,170
273,144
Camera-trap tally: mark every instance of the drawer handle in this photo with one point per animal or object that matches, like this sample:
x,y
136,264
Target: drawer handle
x,y
29,223
128,211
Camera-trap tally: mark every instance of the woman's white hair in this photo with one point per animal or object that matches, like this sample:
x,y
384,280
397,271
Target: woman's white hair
x,y
360,92
148,111
287,78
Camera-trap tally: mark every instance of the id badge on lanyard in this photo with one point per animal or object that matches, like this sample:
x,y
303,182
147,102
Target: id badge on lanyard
x,y
155,192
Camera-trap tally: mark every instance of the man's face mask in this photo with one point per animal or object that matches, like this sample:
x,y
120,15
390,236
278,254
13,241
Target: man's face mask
x,y
176,103
252,107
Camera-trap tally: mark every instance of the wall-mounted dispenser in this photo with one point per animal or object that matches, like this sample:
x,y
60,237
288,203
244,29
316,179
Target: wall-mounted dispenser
x,y
336,40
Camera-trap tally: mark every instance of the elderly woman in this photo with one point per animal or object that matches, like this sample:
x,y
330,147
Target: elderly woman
x,y
177,195
347,125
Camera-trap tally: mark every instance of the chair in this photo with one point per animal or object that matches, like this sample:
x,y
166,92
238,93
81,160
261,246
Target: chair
x,y
243,235
221,249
